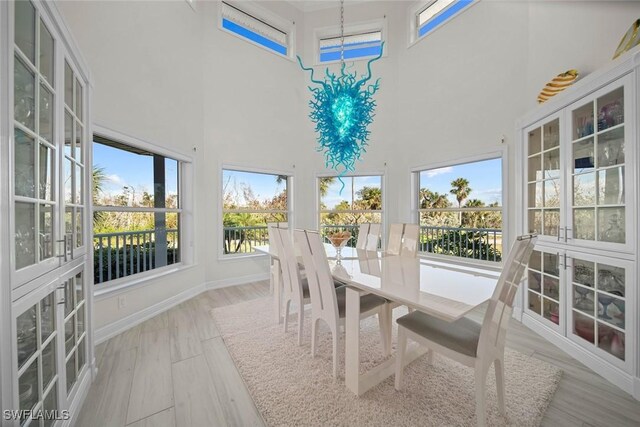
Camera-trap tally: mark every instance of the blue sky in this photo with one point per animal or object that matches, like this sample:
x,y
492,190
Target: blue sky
x,y
264,186
333,196
485,180
123,168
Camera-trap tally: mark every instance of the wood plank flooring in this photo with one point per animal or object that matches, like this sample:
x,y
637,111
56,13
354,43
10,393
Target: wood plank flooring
x,y
174,370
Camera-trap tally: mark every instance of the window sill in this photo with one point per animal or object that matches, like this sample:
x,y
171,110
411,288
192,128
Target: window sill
x,y
241,257
485,268
140,280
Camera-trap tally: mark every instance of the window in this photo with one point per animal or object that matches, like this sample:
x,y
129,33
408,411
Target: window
x,y
250,201
258,26
356,46
360,202
361,41
460,210
434,13
137,208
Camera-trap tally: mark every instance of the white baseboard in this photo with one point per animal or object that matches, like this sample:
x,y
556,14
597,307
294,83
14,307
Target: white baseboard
x,y
121,325
233,281
625,381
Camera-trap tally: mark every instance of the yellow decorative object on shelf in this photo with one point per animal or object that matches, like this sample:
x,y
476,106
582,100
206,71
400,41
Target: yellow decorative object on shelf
x,y
630,39
557,85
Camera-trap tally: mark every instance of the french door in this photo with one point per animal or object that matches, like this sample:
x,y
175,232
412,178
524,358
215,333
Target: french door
x,y
48,123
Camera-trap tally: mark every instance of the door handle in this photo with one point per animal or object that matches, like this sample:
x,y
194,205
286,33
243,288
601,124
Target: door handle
x,y
64,248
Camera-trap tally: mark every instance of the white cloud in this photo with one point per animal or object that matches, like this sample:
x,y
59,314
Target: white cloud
x,y
115,179
440,171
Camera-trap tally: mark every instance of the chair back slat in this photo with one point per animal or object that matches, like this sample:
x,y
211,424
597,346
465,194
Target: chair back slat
x,y
373,237
410,240
290,271
321,287
496,320
363,233
394,243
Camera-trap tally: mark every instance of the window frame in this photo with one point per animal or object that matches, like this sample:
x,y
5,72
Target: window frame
x,y
260,13
355,28
501,153
414,16
221,211
383,212
186,170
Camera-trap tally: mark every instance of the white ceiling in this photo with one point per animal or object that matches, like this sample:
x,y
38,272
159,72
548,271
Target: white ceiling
x,y
313,5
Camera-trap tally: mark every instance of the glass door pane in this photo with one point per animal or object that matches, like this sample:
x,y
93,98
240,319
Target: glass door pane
x,y
35,145
599,304
74,165
544,295
598,169
75,329
36,334
544,179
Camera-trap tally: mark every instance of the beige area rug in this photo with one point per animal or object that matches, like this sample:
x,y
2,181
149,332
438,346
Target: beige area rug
x,y
290,388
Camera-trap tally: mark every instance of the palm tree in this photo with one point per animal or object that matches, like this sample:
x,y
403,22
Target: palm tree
x,y
474,217
460,189
98,178
325,183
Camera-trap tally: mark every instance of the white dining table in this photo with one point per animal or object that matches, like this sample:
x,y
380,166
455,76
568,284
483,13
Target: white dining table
x,y
437,288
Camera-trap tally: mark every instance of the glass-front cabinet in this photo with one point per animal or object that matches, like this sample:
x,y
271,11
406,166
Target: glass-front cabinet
x,y
46,345
596,174
578,185
599,291
51,350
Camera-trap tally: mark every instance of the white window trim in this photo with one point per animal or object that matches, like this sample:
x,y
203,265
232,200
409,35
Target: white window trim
x,y
380,173
250,169
412,35
501,153
352,28
254,9
187,220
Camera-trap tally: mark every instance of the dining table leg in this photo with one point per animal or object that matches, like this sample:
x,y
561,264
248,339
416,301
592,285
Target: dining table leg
x,y
276,285
352,340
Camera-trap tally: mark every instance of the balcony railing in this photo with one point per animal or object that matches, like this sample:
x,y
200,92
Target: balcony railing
x,y
475,243
243,240
125,253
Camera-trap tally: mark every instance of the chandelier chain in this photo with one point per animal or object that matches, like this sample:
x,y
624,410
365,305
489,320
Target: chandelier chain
x,y
342,31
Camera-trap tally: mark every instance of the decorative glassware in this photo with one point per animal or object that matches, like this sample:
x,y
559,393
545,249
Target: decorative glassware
x,y
339,240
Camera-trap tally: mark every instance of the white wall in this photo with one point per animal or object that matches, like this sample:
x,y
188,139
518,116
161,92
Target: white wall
x,y
166,74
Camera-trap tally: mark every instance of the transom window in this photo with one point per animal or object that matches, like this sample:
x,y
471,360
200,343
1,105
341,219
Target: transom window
x,y
258,26
460,210
359,202
432,14
137,209
356,46
250,201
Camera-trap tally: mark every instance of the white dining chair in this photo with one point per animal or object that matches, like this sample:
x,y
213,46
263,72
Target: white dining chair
x,y
410,237
394,242
328,302
466,341
275,269
363,232
368,236
295,289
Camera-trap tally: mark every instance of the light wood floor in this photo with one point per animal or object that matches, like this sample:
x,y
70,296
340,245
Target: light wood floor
x,y
174,370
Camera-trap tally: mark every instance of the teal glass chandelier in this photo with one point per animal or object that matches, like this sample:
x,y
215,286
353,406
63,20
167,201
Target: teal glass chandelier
x,y
342,107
